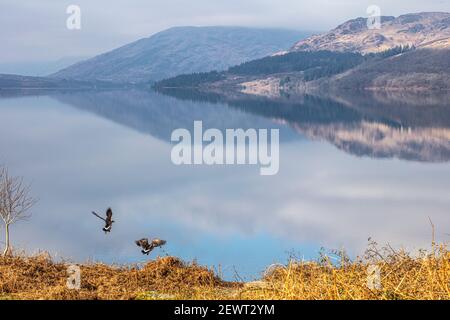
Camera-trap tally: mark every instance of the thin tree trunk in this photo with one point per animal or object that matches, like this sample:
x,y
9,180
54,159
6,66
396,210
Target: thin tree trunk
x,y
6,252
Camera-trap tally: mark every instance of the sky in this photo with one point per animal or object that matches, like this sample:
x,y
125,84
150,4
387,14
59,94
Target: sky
x,y
32,31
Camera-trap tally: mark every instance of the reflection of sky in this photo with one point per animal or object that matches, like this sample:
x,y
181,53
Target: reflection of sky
x,y
228,216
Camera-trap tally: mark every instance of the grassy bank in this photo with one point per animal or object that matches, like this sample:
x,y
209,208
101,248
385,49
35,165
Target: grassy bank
x,y
402,276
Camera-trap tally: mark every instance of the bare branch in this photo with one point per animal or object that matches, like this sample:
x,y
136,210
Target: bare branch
x,y
15,201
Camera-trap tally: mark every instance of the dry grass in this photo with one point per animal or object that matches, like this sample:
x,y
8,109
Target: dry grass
x,y
403,276
40,278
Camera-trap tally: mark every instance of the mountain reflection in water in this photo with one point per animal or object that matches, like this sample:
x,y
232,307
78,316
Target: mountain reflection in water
x,y
379,125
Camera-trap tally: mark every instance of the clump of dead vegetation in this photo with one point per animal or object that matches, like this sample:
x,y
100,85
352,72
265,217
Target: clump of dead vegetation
x,y
40,278
382,274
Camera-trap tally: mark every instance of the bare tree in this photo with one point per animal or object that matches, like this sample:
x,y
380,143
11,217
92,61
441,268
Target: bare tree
x,y
15,203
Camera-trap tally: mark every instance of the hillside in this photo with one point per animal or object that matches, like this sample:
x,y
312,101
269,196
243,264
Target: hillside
x,y
310,65
422,69
181,50
416,29
410,52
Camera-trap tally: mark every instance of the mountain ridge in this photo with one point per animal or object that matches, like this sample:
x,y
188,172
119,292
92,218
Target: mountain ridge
x,y
181,50
413,29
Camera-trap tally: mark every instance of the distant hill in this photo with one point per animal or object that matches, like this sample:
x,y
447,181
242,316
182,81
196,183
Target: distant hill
x,y
410,52
426,29
12,81
181,50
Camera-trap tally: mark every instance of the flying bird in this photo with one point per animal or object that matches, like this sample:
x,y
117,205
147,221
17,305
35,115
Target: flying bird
x,y
147,247
108,221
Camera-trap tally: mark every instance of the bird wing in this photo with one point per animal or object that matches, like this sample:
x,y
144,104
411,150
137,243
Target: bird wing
x,y
95,214
142,243
158,242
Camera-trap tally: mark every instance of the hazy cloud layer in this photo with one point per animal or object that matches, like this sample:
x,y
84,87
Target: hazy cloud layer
x,y
36,30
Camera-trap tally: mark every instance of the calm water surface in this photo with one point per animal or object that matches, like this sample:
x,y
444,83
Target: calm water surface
x,y
349,170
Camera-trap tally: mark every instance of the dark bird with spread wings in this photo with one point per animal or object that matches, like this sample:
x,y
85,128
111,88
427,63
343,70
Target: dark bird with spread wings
x,y
147,247
108,221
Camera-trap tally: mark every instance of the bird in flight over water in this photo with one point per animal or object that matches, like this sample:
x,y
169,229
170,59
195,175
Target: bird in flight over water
x,y
147,247
108,221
